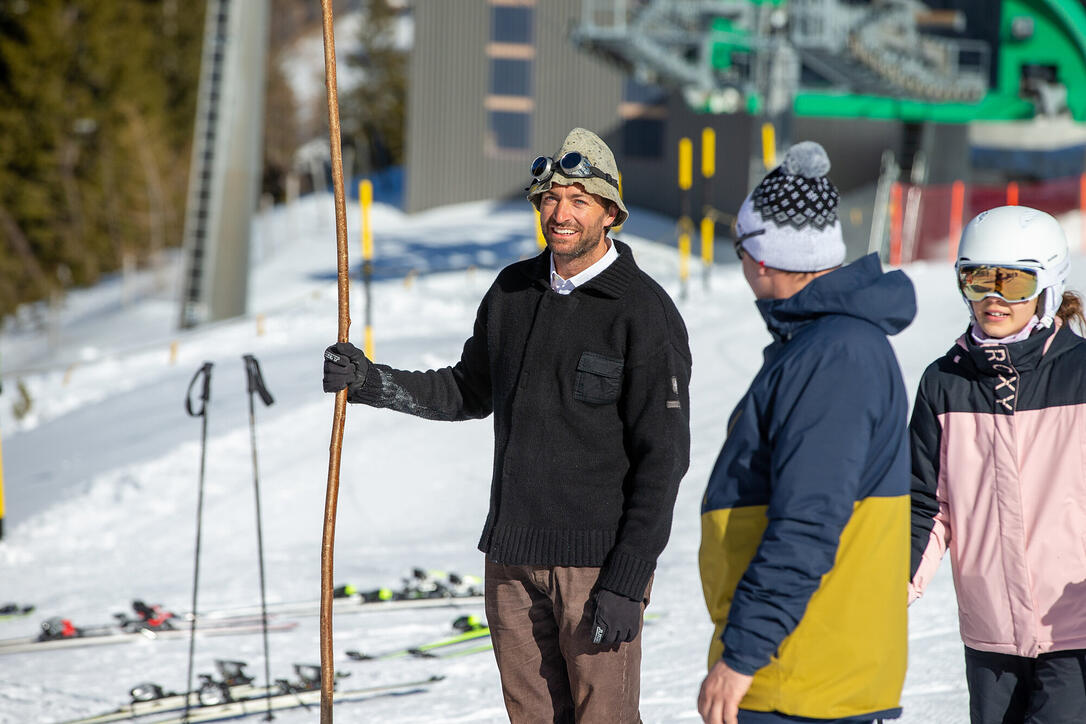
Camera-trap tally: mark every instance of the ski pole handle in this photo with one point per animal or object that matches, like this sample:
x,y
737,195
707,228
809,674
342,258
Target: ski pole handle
x,y
256,380
205,392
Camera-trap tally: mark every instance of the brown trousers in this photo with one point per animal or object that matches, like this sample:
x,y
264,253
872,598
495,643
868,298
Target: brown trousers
x,y
540,621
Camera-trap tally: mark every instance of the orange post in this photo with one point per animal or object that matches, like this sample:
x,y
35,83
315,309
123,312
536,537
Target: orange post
x,y
1012,193
957,206
895,224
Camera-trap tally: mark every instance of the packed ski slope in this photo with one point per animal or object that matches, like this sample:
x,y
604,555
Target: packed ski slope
x,y
101,475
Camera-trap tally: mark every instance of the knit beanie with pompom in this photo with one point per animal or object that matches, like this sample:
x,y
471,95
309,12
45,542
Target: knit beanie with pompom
x,y
789,221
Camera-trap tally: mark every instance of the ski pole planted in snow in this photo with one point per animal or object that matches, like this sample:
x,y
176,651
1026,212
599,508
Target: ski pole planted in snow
x,y
205,395
256,384
340,413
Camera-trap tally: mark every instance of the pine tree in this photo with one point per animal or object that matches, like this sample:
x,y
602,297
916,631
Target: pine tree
x,y
96,105
374,112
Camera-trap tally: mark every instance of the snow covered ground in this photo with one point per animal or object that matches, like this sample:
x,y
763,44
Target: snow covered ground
x,y
101,474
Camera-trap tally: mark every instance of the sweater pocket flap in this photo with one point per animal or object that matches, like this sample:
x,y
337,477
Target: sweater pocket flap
x,y
599,378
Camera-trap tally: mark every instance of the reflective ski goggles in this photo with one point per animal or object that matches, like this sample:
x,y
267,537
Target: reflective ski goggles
x,y
572,165
1010,283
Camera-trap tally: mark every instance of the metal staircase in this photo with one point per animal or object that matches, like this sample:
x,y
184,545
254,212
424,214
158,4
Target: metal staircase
x,y
224,173
707,46
199,208
921,66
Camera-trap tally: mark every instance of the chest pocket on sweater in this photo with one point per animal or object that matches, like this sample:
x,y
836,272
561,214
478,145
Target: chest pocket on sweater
x,y
599,379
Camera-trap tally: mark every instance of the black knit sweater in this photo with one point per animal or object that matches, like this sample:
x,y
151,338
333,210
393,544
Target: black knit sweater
x,y
591,416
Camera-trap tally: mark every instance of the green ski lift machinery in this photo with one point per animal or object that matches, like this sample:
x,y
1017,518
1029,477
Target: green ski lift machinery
x,y
885,59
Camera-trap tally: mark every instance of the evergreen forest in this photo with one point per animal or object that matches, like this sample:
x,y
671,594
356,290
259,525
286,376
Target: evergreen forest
x,y
97,100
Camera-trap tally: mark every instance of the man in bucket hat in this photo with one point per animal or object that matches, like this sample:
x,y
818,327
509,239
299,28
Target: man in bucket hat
x,y
584,362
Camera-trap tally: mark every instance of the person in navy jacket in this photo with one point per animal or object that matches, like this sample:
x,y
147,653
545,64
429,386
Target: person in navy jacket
x,y
805,520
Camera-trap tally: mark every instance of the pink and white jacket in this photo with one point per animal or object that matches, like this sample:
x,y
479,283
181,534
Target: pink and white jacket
x,y
998,439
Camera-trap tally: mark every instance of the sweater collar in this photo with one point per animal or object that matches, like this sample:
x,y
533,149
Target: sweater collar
x,y
611,282
1023,356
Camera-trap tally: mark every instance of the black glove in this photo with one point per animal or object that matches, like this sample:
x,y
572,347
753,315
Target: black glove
x,y
344,366
617,619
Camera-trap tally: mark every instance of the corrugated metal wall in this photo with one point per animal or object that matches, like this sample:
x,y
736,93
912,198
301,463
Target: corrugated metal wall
x,y
573,88
447,156
445,115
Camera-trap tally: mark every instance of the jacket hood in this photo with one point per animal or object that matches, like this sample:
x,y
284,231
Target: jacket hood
x,y
860,289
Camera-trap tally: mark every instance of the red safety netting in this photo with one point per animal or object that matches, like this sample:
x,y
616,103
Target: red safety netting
x,y
926,221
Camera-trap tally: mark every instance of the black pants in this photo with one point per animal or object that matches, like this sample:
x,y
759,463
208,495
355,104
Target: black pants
x,y
1006,689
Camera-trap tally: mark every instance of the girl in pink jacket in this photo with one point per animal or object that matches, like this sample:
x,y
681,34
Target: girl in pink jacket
x,y
998,439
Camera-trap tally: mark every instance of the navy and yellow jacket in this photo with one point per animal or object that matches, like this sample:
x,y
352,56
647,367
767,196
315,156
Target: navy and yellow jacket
x,y
805,522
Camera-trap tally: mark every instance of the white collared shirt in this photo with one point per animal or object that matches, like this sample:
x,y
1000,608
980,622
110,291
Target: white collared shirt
x,y
565,286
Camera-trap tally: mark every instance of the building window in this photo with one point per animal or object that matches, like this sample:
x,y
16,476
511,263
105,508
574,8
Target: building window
x,y
510,130
511,54
643,93
511,24
510,77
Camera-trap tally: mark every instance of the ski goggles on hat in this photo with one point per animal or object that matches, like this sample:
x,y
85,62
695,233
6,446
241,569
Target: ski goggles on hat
x,y
1010,283
571,165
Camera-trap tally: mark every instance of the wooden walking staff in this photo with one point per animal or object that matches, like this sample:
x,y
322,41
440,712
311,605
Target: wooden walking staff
x,y
340,414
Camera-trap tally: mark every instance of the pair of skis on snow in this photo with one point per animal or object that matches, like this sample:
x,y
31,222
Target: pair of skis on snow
x,y
469,641
15,610
472,630
150,623
422,589
234,695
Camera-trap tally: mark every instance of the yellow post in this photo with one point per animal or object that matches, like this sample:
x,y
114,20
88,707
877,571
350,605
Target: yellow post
x,y
707,241
708,170
686,180
769,146
684,254
365,202
367,341
539,240
708,152
618,228
686,164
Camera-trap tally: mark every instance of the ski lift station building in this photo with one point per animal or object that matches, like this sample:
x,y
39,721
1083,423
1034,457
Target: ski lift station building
x,y
954,89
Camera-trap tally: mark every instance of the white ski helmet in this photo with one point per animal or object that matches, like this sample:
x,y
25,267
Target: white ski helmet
x,y
1023,237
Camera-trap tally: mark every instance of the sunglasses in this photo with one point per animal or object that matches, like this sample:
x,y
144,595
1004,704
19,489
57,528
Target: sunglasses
x,y
570,165
739,250
1010,283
